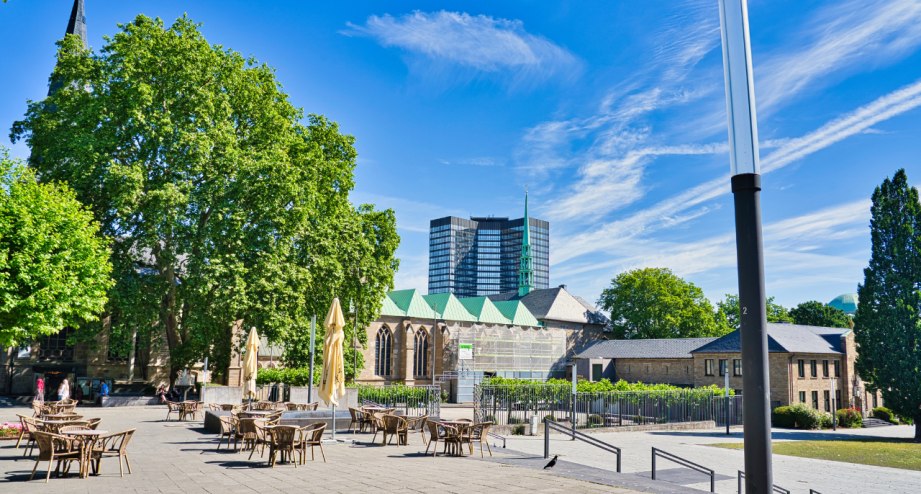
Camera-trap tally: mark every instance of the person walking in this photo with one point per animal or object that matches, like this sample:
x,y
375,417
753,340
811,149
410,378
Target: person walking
x,y
40,390
64,390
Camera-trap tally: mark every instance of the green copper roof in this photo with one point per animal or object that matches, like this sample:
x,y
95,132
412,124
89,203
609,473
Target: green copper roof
x,y
846,302
411,303
484,310
390,309
515,311
449,307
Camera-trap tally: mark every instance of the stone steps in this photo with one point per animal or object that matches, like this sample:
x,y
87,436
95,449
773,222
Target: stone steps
x,y
872,422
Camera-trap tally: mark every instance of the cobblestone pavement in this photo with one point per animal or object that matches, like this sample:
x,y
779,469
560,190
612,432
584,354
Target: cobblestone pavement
x,y
174,457
796,474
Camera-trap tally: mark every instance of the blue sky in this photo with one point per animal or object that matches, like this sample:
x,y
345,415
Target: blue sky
x,y
612,114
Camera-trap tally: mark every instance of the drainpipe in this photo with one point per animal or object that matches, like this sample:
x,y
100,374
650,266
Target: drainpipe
x,y
790,380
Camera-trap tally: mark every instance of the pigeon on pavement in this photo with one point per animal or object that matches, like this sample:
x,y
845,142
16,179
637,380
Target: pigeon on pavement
x,y
552,462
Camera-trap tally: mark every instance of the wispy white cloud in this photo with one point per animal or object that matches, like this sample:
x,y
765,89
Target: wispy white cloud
x,y
479,42
843,39
613,234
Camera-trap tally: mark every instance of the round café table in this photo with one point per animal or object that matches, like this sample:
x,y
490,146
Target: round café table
x,y
87,440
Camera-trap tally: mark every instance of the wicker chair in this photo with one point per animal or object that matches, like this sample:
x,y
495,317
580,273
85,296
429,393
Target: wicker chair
x,y
228,407
417,424
173,407
262,438
394,426
478,433
356,416
437,432
312,435
377,423
113,446
52,448
283,438
246,433
38,409
228,430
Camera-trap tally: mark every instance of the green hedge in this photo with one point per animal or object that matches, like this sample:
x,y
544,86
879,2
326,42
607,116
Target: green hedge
x,y
886,414
849,417
395,393
602,386
289,376
800,416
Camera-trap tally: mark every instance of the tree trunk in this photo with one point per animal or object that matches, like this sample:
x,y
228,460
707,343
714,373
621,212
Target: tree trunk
x,y
917,427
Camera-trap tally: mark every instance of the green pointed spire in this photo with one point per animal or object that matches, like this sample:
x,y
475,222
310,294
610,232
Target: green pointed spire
x,y
525,273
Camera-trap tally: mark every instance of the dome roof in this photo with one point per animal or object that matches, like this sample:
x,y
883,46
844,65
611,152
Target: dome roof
x,y
846,302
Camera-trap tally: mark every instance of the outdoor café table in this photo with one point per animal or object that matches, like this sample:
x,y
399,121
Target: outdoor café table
x,y
461,427
87,441
61,416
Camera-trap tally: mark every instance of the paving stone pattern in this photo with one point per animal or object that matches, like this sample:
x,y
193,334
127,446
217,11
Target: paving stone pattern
x,y
173,457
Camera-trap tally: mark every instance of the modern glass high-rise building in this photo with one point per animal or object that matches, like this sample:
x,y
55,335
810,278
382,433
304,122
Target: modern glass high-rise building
x,y
483,255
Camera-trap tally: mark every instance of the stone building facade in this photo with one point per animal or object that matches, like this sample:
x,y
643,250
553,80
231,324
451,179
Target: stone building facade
x,y
808,364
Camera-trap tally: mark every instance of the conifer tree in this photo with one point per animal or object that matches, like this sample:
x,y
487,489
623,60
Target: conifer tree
x,y
887,325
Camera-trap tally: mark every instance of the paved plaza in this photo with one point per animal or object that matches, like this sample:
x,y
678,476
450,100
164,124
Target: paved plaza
x,y
793,473
180,457
174,457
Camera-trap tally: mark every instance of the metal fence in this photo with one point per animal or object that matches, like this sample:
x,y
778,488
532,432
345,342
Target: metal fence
x,y
509,405
411,400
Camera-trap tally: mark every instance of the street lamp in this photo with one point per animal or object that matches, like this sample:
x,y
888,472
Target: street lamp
x,y
746,189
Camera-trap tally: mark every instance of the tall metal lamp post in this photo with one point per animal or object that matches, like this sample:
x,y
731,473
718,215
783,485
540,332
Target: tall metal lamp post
x,y
746,188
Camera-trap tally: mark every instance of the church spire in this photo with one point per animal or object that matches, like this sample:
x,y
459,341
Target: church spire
x,y
75,25
525,273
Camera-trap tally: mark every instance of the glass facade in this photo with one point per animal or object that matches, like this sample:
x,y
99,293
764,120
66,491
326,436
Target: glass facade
x,y
480,256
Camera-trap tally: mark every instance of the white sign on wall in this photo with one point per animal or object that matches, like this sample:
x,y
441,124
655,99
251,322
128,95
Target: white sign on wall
x,y
465,351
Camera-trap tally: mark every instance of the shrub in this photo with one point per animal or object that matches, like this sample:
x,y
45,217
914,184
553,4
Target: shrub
x,y
518,430
825,420
886,414
595,420
849,417
783,417
805,417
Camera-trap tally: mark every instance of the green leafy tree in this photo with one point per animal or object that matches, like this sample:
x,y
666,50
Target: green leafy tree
x,y
887,326
815,313
655,303
729,309
225,204
54,269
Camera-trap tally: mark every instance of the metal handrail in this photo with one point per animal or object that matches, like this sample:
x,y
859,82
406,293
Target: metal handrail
x,y
496,436
813,491
685,463
774,487
552,424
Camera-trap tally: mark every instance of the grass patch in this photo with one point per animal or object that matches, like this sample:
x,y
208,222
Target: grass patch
x,y
878,452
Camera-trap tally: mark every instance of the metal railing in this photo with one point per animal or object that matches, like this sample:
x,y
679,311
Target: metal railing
x,y
411,400
813,491
685,463
511,405
774,488
497,436
551,424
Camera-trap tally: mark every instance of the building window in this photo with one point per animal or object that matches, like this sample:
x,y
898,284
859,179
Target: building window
x,y
824,368
875,400
382,351
708,367
837,368
666,370
55,346
597,370
724,367
802,369
827,395
813,369
736,367
802,397
815,400
838,398
421,353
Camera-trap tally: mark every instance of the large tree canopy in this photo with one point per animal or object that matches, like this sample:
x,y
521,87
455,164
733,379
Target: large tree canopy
x,y
814,313
655,303
223,206
54,269
728,310
887,326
